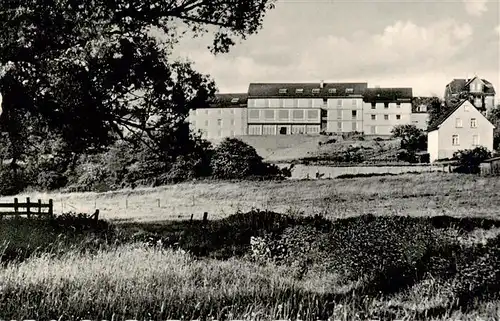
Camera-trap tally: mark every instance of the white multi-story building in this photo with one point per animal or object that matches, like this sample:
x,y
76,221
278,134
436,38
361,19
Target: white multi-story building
x,y
226,116
385,108
305,108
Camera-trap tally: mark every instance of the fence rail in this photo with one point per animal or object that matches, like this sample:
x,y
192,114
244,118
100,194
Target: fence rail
x,y
28,208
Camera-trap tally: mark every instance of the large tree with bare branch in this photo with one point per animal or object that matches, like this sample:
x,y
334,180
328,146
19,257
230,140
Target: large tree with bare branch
x,y
94,70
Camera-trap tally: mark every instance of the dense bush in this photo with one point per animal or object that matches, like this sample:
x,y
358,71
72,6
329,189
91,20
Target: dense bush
x,y
412,138
234,159
407,156
91,174
21,237
470,159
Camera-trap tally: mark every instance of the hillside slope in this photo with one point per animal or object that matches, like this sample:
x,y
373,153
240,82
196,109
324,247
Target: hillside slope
x,y
288,148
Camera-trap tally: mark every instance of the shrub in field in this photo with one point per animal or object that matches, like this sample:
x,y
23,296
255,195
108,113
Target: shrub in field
x,y
91,175
470,159
234,159
186,168
357,247
407,156
21,237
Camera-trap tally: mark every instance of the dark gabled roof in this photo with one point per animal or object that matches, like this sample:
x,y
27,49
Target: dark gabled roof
x,y
447,114
273,89
229,100
387,94
458,85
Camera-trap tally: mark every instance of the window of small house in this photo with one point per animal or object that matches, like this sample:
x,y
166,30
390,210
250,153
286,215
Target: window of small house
x,y
454,140
475,140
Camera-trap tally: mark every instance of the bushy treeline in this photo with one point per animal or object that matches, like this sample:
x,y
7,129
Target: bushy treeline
x,y
130,164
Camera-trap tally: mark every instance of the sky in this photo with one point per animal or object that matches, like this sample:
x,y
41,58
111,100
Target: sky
x,y
419,44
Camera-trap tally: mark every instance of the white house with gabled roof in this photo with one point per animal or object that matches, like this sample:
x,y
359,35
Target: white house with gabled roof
x,y
463,126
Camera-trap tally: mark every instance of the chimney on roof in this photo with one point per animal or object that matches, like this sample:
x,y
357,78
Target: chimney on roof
x,y
321,84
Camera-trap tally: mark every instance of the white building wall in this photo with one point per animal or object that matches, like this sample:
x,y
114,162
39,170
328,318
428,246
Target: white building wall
x,y
344,115
215,123
466,134
420,120
433,145
277,116
382,119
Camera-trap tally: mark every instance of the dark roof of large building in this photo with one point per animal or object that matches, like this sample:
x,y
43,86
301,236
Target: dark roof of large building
x,y
297,90
445,115
387,94
229,100
458,85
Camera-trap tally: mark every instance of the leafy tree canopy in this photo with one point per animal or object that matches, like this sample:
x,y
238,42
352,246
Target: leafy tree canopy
x,y
435,107
412,138
96,70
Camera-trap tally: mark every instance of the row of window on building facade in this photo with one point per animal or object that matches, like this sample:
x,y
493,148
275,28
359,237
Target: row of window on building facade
x,y
459,124
455,140
296,115
312,103
315,90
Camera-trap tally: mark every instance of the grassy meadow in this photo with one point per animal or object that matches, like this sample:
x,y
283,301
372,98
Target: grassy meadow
x,y
408,194
414,247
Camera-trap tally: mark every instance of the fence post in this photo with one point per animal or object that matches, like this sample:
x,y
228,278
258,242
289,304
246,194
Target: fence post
x,y
51,208
39,208
28,207
205,218
16,206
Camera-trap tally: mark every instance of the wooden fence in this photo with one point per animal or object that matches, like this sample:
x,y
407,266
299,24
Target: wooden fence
x,y
29,208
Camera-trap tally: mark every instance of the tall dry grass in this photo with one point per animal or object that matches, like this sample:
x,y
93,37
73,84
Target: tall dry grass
x,y
135,282
138,282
